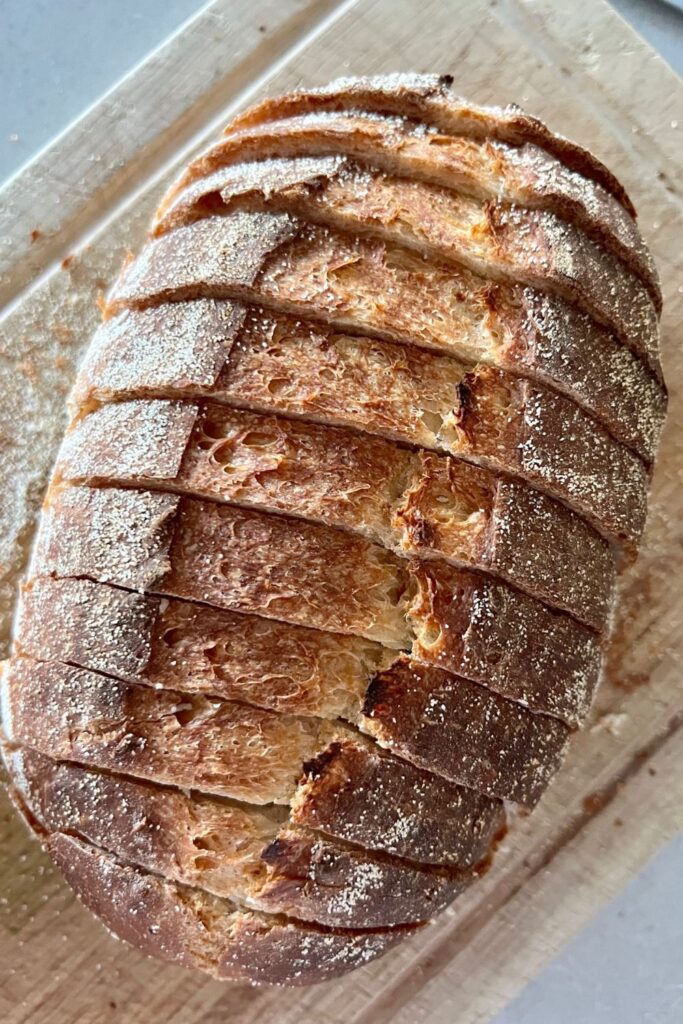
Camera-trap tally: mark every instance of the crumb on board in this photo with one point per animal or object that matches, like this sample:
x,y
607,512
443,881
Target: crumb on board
x,y
595,802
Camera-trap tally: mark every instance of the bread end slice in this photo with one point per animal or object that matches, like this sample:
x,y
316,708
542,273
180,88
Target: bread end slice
x,y
190,928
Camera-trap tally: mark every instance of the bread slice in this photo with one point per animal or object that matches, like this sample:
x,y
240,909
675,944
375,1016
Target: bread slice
x,y
151,352
457,730
414,503
195,650
520,176
252,857
333,791
430,98
321,273
192,928
491,239
185,740
312,575
412,814
181,645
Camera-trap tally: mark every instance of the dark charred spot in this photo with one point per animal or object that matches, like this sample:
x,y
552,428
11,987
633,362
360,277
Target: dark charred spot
x,y
290,857
464,400
317,767
275,852
380,695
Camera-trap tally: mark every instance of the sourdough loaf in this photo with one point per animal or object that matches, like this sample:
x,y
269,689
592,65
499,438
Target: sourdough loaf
x,y
327,564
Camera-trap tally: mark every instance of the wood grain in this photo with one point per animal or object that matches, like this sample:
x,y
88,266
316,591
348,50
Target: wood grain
x,y
582,70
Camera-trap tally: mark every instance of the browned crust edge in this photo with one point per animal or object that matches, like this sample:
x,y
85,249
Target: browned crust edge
x,y
431,98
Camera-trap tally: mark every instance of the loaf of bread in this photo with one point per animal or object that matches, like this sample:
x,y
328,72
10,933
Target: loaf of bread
x,y
326,567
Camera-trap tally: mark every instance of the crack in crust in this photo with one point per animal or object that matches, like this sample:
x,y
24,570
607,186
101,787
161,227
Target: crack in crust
x,y
175,645
255,858
311,575
194,929
414,503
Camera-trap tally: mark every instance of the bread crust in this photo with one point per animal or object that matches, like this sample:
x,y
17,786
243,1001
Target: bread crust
x,y
328,784
352,790
231,851
344,887
491,239
174,738
522,176
94,627
414,503
340,278
181,645
430,98
298,572
321,273
184,837
129,359
452,725
326,563
193,929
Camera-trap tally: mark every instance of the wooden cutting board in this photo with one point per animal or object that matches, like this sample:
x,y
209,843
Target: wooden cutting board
x,y
67,221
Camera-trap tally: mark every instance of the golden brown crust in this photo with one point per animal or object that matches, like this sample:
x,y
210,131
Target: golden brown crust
x,y
95,627
410,502
508,642
353,791
191,647
278,697
430,98
232,851
313,270
432,718
311,878
325,274
522,176
193,929
489,238
129,359
306,574
332,791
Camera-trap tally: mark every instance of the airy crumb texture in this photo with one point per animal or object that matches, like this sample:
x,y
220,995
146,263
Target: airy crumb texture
x,y
249,856
523,175
416,503
306,574
504,421
328,788
494,240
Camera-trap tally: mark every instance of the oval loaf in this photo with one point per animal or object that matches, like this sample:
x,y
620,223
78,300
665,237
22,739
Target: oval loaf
x,y
326,566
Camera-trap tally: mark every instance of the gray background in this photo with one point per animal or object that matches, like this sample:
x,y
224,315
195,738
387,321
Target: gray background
x,y
59,56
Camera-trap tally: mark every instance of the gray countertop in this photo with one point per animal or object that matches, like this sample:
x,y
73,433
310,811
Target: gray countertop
x,y
57,59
